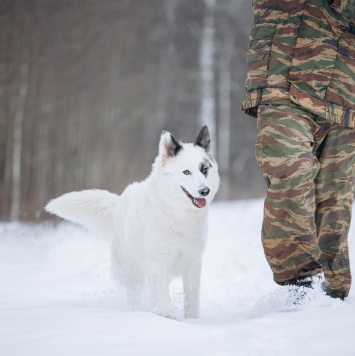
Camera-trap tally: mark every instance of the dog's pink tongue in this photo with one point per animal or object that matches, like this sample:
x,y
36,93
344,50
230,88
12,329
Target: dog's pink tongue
x,y
201,202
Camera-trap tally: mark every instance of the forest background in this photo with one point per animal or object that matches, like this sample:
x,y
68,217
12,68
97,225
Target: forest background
x,y
87,87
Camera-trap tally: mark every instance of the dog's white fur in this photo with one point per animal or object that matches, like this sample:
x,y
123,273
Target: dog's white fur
x,y
157,232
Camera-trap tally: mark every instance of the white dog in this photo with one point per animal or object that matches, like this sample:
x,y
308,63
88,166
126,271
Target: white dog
x,y
158,227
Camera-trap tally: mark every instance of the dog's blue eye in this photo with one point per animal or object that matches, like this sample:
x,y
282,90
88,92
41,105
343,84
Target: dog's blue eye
x,y
187,172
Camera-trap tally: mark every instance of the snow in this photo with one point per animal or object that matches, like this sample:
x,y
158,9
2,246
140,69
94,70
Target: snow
x,y
57,298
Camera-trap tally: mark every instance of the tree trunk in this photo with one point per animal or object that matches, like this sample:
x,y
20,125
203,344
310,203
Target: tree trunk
x,y
17,139
207,62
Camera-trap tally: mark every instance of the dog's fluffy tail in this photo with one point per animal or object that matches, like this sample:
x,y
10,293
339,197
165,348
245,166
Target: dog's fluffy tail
x,y
92,209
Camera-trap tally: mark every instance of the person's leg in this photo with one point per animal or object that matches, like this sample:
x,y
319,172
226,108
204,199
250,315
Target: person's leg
x,y
334,196
284,151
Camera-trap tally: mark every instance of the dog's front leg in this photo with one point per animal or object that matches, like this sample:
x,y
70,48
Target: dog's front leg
x,y
191,282
159,291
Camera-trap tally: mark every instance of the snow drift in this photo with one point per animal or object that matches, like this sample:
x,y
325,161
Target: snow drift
x,y
57,298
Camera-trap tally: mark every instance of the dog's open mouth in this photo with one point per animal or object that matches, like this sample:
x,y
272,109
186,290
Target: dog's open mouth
x,y
198,202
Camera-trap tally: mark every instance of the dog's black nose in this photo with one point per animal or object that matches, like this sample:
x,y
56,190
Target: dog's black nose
x,y
204,191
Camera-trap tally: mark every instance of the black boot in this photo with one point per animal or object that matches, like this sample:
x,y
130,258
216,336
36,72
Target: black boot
x,y
299,288
332,293
306,282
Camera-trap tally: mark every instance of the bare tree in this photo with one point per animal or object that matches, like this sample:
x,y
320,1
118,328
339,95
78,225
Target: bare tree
x,y
207,69
17,142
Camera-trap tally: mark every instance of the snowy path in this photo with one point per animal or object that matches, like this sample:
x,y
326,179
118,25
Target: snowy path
x,y
56,298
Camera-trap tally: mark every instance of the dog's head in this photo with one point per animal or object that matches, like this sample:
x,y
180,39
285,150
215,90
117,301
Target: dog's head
x,y
189,173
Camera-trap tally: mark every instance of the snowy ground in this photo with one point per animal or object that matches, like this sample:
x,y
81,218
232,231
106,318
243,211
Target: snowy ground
x,y
56,298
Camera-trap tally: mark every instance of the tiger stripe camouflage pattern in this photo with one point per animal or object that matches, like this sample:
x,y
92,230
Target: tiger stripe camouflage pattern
x,y
303,51
308,164
301,85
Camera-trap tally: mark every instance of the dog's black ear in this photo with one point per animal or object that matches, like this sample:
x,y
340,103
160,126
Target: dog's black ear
x,y
203,139
168,146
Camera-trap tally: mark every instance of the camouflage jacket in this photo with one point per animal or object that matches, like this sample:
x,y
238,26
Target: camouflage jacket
x,y
304,51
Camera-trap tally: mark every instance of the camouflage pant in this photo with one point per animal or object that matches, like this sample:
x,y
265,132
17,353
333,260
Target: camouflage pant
x,y
308,164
